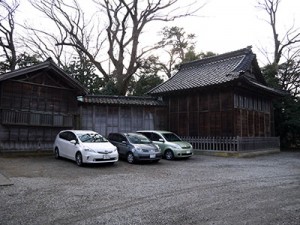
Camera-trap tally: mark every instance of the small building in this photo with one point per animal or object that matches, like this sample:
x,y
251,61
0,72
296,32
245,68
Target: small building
x,y
35,104
106,114
221,96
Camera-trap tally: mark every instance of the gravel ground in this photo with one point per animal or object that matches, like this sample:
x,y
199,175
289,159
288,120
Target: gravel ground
x,y
199,190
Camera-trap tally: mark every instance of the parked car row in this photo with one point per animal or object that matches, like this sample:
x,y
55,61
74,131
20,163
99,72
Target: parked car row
x,y
85,146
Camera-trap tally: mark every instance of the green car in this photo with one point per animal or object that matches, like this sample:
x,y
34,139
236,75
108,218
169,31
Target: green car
x,y
170,144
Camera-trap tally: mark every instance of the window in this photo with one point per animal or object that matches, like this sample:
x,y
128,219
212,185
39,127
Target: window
x,y
155,137
148,135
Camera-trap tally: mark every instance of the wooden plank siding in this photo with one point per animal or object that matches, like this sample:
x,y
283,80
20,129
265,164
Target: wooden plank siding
x,y
119,118
220,113
33,111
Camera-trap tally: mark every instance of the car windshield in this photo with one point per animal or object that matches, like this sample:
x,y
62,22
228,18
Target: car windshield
x,y
138,139
91,137
171,137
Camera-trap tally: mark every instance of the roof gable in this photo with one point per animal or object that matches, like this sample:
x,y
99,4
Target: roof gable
x,y
45,69
213,71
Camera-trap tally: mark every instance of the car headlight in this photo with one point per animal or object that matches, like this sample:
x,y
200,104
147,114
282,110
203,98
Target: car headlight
x,y
176,146
88,150
115,149
157,146
138,149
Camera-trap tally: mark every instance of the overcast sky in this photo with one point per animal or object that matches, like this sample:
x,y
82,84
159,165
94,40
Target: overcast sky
x,y
226,25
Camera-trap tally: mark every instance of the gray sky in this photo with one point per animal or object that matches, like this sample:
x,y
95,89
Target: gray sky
x,y
228,25
223,25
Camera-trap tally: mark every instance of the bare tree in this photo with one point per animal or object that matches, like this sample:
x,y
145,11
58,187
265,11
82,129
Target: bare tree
x,y
288,40
124,22
285,64
7,28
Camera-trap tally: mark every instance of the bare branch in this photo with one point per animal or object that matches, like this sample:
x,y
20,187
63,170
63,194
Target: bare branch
x,y
7,27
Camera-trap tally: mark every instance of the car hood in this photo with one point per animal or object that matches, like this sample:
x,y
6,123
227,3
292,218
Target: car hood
x,y
102,146
182,144
145,146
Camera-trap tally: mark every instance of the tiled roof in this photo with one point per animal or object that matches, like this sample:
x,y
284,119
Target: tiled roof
x,y
46,65
209,71
120,100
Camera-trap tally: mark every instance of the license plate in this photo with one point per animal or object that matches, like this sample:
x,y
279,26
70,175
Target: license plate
x,y
106,157
152,156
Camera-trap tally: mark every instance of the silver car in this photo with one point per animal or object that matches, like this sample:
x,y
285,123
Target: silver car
x,y
135,147
84,146
170,144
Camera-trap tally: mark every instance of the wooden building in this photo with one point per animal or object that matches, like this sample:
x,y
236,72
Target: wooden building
x,y
35,104
220,96
106,114
224,96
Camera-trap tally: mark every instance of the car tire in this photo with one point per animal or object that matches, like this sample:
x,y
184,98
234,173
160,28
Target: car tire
x,y
78,159
169,155
130,158
56,153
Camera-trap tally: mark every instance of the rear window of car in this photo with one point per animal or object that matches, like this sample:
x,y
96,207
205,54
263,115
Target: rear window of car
x,y
116,137
112,137
67,135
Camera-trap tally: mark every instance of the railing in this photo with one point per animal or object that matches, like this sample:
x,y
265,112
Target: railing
x,y
15,117
233,143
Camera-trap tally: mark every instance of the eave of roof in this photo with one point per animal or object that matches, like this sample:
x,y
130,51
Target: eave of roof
x,y
120,100
270,90
50,65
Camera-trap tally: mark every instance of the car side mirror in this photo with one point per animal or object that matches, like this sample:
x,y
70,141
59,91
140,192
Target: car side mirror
x,y
161,140
73,142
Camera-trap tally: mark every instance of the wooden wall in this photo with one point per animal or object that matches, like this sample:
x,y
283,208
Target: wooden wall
x,y
33,111
221,113
105,119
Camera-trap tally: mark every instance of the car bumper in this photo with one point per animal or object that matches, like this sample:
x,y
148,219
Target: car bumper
x,y
147,157
184,153
100,158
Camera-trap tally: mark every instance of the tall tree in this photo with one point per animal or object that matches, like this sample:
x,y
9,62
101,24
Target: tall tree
x,y
125,22
178,46
7,42
147,77
83,70
283,72
282,42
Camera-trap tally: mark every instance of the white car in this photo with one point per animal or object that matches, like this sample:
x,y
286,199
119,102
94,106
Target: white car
x,y
84,146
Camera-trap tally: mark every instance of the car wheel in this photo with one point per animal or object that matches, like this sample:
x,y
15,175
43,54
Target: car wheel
x,y
130,158
78,158
169,155
56,153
